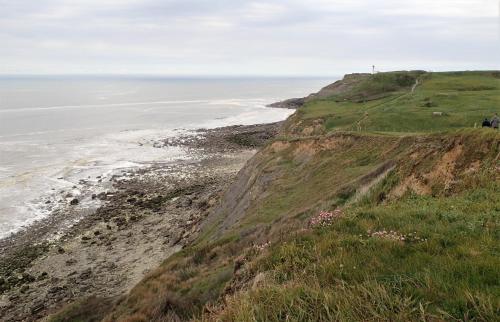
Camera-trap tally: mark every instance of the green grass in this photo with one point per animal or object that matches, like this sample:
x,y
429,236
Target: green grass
x,y
341,273
464,99
90,309
378,86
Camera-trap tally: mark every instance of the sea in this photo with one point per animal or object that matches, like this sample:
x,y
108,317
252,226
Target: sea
x,y
56,131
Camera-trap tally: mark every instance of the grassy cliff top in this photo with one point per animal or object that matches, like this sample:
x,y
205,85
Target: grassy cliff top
x,y
406,102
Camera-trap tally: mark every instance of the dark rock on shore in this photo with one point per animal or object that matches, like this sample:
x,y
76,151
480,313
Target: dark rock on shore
x,y
227,139
293,103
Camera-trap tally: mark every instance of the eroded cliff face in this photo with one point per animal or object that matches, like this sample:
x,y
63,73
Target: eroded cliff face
x,y
289,182
312,172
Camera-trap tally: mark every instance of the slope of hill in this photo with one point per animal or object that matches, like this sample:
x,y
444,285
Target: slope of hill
x,y
378,201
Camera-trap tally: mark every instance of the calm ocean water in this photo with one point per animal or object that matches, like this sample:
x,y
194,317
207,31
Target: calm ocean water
x,y
55,131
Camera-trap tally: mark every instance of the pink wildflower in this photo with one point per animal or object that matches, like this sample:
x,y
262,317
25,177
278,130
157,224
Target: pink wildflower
x,y
325,219
396,236
262,246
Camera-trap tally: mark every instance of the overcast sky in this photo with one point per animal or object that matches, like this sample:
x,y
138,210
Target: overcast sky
x,y
238,37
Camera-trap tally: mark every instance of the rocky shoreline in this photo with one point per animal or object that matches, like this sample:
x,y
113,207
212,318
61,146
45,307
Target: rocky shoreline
x,y
146,215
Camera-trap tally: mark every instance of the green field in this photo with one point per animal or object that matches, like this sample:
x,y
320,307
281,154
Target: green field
x,y
465,99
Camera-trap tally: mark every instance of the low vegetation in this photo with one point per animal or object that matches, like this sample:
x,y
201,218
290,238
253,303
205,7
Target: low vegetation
x,y
440,102
419,258
90,309
368,207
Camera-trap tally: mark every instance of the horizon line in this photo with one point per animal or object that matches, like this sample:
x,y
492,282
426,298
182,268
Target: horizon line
x,y
216,76
166,75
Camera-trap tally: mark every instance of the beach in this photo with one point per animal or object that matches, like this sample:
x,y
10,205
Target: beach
x,y
145,215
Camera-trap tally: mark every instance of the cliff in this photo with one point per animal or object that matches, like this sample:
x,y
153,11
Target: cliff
x,y
368,205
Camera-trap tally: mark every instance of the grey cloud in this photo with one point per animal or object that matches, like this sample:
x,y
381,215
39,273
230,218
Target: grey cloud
x,y
243,37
